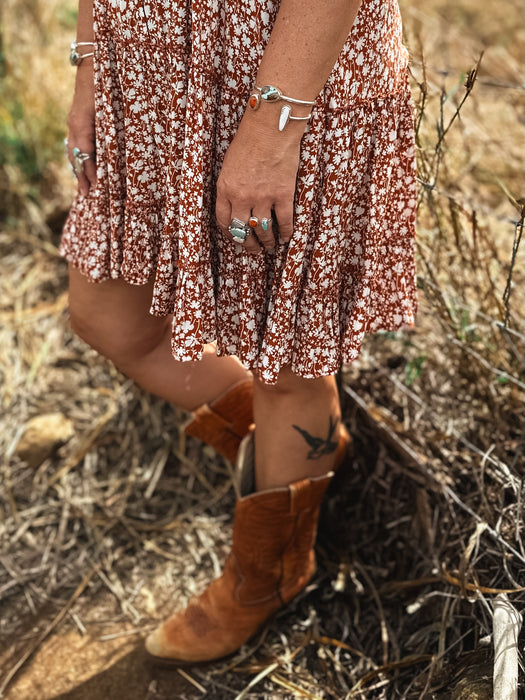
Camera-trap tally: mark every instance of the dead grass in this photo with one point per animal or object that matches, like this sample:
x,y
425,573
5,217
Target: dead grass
x,y
100,533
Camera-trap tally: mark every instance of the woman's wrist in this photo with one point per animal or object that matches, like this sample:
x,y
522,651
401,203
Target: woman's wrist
x,y
291,109
263,124
304,45
276,120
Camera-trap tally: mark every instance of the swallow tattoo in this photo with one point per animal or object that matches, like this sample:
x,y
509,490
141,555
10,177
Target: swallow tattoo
x,y
320,446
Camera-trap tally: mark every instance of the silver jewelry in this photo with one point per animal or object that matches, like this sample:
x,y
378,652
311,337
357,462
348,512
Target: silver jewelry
x,y
270,93
286,116
239,230
265,224
76,58
79,159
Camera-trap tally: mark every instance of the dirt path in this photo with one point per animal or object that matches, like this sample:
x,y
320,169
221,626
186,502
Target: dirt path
x,y
76,667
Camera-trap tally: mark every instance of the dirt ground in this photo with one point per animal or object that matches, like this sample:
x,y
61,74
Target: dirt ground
x,y
79,667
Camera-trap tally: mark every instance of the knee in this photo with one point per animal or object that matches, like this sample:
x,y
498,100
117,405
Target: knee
x,y
114,336
86,327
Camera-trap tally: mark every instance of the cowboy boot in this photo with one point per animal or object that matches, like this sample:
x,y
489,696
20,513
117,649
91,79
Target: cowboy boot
x,y
223,423
272,559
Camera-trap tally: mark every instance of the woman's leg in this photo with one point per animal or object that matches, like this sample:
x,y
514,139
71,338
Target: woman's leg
x,y
113,317
297,429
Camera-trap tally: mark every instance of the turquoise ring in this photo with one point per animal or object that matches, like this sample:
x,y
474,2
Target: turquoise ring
x,y
239,230
79,159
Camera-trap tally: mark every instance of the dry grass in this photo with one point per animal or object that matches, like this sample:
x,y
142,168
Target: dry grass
x,y
101,533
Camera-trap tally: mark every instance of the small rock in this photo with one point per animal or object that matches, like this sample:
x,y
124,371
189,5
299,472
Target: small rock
x,y
41,436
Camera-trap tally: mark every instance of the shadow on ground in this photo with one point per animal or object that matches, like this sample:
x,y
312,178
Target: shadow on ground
x,y
60,672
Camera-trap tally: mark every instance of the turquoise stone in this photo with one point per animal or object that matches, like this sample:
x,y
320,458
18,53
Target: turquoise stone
x,y
270,93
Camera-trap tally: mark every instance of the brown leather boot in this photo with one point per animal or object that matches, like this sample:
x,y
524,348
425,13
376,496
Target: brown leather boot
x,y
226,421
271,561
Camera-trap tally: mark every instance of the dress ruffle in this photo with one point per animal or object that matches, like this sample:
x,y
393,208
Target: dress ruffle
x,y
167,110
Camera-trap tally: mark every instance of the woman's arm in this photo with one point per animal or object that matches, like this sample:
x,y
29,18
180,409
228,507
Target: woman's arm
x,y
306,41
85,20
81,119
260,166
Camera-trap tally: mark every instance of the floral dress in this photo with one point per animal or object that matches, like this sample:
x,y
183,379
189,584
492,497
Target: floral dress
x,y
172,80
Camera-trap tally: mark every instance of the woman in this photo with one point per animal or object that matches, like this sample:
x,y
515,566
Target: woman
x,y
246,206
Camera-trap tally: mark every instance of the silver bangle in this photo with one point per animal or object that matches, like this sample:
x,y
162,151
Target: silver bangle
x,y
76,58
270,93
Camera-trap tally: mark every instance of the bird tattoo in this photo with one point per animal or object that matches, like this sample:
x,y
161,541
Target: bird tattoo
x,y
320,446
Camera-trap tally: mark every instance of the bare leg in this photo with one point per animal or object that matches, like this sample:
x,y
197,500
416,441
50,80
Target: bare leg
x,y
297,428
113,317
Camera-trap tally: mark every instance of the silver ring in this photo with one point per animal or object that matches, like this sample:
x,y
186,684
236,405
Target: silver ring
x,y
265,224
79,159
239,230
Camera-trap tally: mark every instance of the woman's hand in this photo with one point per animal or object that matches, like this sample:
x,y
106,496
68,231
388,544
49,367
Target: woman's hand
x,y
81,125
258,178
260,166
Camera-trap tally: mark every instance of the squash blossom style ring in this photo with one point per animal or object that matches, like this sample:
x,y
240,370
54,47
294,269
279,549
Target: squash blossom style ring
x,y
239,230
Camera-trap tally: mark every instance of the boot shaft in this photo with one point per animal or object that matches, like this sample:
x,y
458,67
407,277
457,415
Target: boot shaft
x,y
273,538
223,423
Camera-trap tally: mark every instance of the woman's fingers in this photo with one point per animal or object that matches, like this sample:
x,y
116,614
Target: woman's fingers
x,y
81,134
225,216
260,231
82,157
262,225
90,170
242,221
284,220
87,178
252,243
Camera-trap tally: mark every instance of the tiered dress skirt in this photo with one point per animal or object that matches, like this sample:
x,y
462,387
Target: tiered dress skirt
x,y
172,80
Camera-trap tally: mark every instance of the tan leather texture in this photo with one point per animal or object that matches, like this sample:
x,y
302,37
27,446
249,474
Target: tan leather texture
x,y
272,559
224,423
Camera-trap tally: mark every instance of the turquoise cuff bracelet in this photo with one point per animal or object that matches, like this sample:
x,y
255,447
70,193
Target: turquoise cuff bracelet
x,y
75,57
270,93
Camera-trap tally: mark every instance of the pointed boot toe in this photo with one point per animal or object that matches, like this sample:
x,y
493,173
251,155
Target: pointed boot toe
x,y
181,639
212,626
155,645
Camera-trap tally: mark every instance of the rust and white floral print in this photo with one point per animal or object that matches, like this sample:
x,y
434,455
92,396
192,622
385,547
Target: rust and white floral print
x,y
172,83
